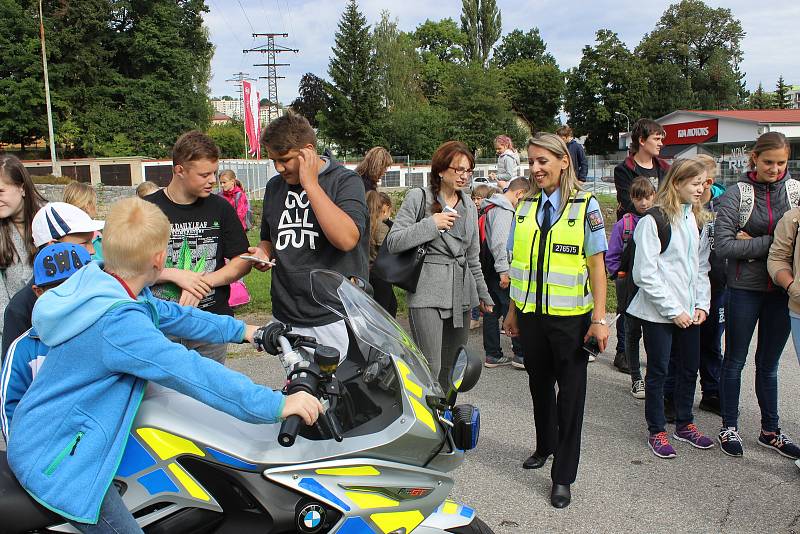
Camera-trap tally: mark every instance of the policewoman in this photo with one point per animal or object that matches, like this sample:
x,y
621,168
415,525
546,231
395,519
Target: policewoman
x,y
558,288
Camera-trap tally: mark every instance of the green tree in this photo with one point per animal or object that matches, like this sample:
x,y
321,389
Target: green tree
x,y
229,138
477,106
415,132
518,46
440,46
397,63
22,108
354,98
761,99
482,24
704,43
535,92
608,79
782,98
312,99
668,90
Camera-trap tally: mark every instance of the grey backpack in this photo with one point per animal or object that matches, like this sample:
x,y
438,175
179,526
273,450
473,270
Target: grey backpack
x,y
747,198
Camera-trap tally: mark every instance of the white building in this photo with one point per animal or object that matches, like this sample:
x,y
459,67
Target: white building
x,y
231,108
794,96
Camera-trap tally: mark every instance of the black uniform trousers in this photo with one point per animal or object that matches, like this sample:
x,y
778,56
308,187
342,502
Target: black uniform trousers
x,y
554,355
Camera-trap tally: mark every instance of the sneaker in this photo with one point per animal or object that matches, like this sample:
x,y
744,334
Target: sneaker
x,y
621,363
518,362
492,362
637,389
690,434
592,358
660,446
730,441
669,410
710,403
780,443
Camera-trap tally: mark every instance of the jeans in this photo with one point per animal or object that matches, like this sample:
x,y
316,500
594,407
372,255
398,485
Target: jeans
x,y
659,339
475,314
796,335
114,517
621,326
491,321
743,309
633,333
710,350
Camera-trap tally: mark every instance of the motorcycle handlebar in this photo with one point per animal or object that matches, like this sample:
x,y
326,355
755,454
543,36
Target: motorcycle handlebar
x,y
289,429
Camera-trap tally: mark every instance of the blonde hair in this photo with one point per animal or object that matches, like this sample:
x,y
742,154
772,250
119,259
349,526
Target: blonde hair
x,y
135,230
374,164
81,196
376,200
710,165
146,188
568,181
667,197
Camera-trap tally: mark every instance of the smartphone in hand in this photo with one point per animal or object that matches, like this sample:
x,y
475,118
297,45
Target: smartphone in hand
x,y
257,260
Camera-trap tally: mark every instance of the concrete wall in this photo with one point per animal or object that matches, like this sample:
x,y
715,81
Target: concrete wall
x,y
106,195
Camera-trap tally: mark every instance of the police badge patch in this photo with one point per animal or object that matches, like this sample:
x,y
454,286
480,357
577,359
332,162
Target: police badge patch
x,y
595,220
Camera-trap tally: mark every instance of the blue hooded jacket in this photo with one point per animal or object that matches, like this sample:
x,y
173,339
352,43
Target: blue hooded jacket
x,y
69,430
24,359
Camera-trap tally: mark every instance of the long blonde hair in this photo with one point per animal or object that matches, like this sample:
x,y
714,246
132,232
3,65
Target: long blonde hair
x,y
667,198
376,200
568,181
374,164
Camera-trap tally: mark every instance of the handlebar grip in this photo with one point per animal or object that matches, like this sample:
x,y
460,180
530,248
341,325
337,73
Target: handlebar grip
x,y
289,429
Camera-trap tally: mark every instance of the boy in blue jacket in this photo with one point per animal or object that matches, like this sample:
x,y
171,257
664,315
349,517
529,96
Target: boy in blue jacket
x,y
106,336
51,267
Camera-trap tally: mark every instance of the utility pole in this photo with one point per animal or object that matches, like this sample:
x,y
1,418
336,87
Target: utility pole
x,y
237,80
271,49
56,169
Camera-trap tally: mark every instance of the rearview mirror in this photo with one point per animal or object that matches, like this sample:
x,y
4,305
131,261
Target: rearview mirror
x,y
466,372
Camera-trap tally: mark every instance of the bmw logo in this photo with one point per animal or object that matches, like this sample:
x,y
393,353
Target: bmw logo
x,y
310,518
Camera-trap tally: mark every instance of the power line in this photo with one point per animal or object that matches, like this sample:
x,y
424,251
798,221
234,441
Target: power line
x,y
245,16
271,49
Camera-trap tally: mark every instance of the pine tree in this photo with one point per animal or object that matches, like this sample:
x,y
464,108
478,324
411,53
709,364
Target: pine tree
x,y
782,99
354,99
482,24
761,99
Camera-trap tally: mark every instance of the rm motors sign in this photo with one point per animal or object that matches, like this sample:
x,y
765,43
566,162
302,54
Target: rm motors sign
x,y
691,133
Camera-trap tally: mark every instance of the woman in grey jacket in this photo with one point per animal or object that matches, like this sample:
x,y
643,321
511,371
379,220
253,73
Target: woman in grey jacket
x,y
746,219
451,282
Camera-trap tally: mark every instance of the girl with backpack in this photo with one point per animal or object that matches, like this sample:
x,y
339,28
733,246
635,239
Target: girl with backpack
x,y
233,192
746,221
670,269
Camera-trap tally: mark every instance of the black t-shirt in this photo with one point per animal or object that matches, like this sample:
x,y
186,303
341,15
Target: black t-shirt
x,y
651,174
202,236
17,317
300,244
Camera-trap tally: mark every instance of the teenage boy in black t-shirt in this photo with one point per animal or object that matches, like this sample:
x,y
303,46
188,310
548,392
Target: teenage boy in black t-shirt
x,y
646,140
205,231
315,217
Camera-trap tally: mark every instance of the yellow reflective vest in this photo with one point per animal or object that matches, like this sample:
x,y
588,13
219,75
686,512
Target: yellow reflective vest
x,y
550,276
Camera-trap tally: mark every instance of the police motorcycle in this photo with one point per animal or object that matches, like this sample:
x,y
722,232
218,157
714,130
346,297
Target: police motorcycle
x,y
377,461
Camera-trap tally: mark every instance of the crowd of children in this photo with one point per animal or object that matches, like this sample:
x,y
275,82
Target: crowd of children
x,y
686,260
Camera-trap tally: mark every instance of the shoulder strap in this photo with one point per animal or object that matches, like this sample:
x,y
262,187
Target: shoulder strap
x,y
421,212
627,227
662,226
793,192
575,204
236,201
746,202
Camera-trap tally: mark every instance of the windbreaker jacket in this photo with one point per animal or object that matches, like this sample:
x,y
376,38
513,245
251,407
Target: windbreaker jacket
x,y
70,429
498,226
676,280
785,254
747,258
507,164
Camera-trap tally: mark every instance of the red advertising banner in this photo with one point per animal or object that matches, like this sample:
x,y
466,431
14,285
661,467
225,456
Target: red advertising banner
x,y
691,133
252,124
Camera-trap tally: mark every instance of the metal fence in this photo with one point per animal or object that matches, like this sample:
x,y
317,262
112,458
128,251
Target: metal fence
x,y
253,174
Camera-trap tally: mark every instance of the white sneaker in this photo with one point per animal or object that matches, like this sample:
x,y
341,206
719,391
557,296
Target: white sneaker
x,y
637,389
592,358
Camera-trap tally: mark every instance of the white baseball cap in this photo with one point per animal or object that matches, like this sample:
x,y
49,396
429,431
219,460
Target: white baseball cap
x,y
57,219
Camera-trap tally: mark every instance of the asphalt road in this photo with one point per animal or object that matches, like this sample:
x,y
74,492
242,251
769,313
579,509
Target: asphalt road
x,y
621,486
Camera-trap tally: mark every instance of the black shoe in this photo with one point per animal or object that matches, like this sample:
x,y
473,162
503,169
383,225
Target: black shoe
x,y
560,495
621,363
710,403
669,410
535,461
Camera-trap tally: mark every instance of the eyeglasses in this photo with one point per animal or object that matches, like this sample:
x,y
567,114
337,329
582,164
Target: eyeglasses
x,y
461,172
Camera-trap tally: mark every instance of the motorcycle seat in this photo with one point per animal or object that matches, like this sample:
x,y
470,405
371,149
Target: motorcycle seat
x,y
20,512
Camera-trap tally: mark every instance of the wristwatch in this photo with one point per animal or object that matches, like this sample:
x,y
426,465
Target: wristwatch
x,y
601,321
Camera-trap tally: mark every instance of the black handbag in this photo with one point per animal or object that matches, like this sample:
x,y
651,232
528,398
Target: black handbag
x,y
402,269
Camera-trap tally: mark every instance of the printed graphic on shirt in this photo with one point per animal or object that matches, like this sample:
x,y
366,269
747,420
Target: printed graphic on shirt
x,y
294,228
566,249
192,247
595,220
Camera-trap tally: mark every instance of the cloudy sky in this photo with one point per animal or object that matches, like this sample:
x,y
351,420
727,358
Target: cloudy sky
x,y
566,26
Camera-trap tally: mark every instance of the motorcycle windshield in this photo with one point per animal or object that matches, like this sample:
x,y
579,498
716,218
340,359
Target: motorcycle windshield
x,y
370,322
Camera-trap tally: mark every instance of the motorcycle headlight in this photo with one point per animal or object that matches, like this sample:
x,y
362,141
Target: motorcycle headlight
x,y
466,426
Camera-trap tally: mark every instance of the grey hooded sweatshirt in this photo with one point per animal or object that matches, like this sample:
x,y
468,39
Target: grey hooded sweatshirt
x,y
498,226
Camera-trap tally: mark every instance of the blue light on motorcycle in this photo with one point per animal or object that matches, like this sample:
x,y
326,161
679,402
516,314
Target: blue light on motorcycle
x,y
466,426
